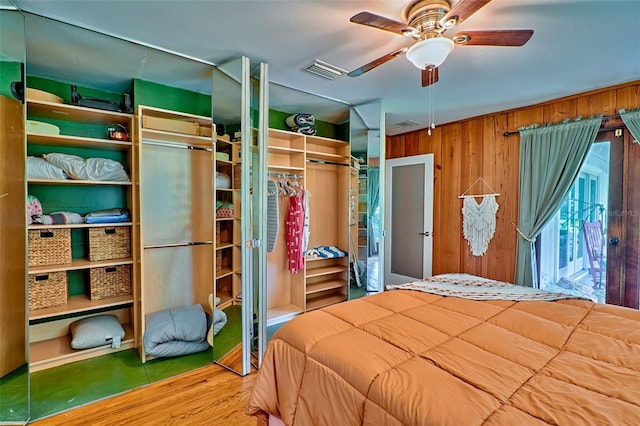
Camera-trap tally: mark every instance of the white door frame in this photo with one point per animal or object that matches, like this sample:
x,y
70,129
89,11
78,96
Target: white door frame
x,y
427,160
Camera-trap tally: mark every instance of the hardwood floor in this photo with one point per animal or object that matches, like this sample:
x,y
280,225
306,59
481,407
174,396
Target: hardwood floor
x,y
210,395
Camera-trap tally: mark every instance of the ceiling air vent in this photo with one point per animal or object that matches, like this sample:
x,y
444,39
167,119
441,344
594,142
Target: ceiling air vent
x,y
325,70
407,123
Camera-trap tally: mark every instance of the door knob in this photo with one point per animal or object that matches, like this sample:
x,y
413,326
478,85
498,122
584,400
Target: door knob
x,y
614,241
425,233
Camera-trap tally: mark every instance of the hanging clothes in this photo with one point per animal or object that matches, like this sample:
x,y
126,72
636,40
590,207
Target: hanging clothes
x,y
479,222
272,214
294,233
306,230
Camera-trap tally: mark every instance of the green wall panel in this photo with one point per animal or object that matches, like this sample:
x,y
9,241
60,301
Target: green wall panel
x,y
9,72
171,98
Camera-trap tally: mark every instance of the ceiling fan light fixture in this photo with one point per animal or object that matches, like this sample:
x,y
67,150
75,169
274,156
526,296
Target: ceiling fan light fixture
x,y
430,52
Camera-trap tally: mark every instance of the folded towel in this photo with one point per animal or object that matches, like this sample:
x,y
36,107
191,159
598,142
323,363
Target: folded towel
x,y
326,252
107,216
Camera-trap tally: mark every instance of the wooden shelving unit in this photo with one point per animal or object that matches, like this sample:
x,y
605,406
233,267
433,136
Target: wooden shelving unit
x,y
49,327
320,165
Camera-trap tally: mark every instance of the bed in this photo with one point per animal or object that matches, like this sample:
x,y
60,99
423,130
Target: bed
x,y
430,352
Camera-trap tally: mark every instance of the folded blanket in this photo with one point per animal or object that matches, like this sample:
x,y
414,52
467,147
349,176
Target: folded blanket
x,y
326,252
107,216
57,218
176,331
299,120
305,130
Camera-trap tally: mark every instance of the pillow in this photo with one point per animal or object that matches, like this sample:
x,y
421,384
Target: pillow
x,y
223,180
38,168
96,331
89,169
33,208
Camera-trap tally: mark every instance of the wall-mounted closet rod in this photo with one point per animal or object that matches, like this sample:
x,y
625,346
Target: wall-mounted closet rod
x,y
185,244
312,160
285,175
175,145
604,121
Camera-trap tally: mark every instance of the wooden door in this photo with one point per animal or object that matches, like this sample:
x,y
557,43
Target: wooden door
x,y
13,237
623,236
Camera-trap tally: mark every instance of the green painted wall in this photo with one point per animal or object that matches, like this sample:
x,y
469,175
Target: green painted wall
x,y
9,72
171,98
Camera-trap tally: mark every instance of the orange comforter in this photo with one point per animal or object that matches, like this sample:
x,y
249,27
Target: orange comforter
x,y
408,357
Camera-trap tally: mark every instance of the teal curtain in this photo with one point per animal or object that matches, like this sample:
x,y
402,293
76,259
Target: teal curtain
x,y
631,119
373,212
550,159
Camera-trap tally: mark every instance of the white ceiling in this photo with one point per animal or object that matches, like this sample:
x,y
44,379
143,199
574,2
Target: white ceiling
x,y
578,45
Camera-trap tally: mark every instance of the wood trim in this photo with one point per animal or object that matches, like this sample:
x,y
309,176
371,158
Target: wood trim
x,y
477,145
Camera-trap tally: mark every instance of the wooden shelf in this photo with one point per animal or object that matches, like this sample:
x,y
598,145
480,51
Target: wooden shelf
x,y
325,156
58,351
325,270
224,246
175,137
325,285
275,167
319,140
224,272
78,304
225,302
321,302
78,142
282,313
77,182
77,264
76,113
80,225
284,150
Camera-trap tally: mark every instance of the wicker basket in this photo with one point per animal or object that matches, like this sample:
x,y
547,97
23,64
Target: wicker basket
x,y
217,233
109,243
237,176
218,261
47,290
109,281
49,246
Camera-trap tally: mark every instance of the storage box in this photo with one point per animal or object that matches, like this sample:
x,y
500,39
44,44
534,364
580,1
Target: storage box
x,y
109,243
49,246
169,125
47,290
205,131
109,281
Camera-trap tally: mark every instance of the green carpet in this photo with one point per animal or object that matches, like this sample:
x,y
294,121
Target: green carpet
x,y
14,396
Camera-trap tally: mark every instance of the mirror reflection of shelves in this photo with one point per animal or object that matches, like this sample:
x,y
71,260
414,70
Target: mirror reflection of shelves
x,y
362,213
228,189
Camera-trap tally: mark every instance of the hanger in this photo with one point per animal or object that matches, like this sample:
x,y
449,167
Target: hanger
x,y
464,194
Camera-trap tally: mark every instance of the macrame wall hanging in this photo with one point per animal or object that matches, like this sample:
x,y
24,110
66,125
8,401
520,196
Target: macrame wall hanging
x,y
479,219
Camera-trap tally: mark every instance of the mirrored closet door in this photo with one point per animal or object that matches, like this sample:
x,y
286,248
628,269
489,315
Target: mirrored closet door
x,y
14,368
367,147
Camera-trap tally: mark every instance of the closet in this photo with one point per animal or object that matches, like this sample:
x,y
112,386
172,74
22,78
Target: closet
x,y
178,242
322,167
73,271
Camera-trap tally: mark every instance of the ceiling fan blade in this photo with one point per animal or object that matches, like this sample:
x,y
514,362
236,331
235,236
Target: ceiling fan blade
x,y
461,11
429,76
376,63
493,38
381,22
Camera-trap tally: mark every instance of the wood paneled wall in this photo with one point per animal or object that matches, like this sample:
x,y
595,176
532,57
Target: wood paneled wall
x,y
476,147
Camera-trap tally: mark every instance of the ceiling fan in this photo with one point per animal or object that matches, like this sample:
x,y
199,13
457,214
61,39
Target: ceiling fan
x,y
426,22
